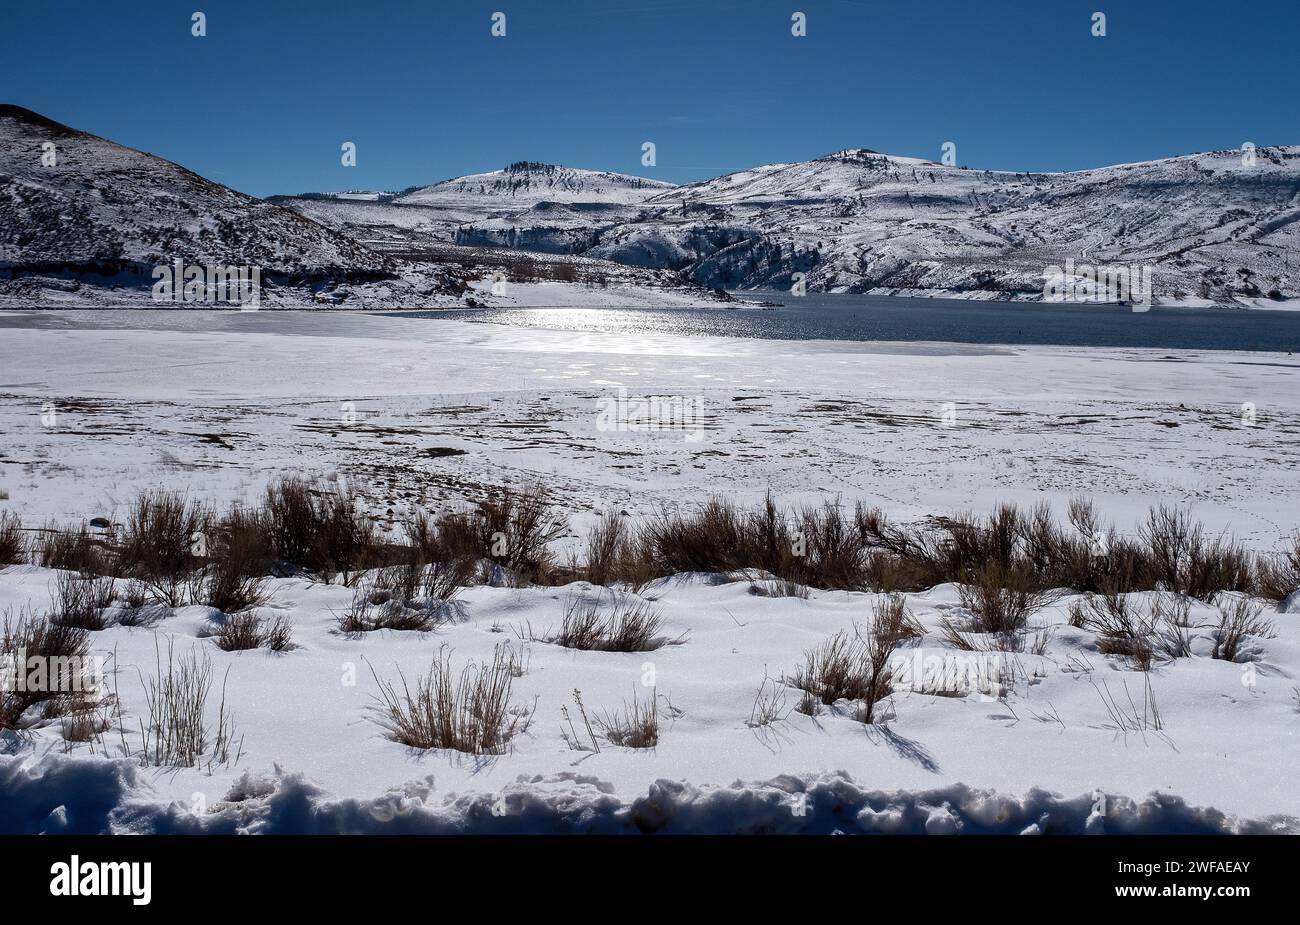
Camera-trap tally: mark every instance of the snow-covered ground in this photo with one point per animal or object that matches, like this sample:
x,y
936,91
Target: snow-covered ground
x,y
95,407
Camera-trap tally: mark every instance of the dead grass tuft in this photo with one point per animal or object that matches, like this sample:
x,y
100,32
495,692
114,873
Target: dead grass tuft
x,y
636,725
246,630
471,714
626,626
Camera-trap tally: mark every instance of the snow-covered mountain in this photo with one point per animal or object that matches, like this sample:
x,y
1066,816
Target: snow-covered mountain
x,y
527,206
1210,225
84,220
1218,227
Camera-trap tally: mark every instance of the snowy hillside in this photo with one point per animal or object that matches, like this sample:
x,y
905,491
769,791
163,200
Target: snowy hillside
x,y
84,220
1210,227
1213,228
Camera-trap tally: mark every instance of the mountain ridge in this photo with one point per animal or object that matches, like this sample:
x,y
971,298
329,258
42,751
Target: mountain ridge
x,y
1215,228
83,218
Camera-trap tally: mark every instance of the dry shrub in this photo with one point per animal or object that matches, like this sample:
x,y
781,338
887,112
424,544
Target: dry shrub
x,y
471,714
1032,543
431,565
1168,535
615,552
1128,715
606,546
291,519
834,556
513,530
627,626
577,741
877,648
877,532
162,533
238,632
1114,617
175,731
80,600
769,704
232,578
1239,617
832,670
888,572
1001,599
397,582
74,551
164,538
635,726
60,649
778,587
1279,574
13,547
137,608
442,579
973,546
710,540
846,667
319,527
1179,558
374,608
85,722
413,594
345,539
1172,641
136,594
1124,629
821,547
1171,620
247,630
808,704
825,547
892,619
278,634
1171,552
1219,565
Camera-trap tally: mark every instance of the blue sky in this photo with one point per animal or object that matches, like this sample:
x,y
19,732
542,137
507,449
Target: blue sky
x,y
265,100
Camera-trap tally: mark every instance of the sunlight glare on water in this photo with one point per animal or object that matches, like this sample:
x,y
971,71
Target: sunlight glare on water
x,y
883,318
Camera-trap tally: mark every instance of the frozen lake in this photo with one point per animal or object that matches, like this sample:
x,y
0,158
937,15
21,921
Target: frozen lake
x,y
820,316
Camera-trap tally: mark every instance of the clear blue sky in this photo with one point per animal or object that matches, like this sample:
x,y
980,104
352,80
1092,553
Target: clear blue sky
x,y
264,102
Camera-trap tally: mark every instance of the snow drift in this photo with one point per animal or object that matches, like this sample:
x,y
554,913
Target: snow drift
x,y
78,795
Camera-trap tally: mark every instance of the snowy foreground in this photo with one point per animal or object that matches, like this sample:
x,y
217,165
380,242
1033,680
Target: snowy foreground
x,y
94,409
